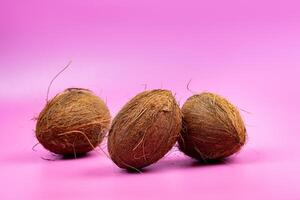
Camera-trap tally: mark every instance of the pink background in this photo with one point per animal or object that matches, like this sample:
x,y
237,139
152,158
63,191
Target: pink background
x,y
246,50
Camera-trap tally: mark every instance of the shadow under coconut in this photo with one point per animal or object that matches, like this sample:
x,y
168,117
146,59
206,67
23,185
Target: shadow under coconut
x,y
57,157
71,157
226,161
172,162
180,161
49,156
246,156
20,158
28,157
184,162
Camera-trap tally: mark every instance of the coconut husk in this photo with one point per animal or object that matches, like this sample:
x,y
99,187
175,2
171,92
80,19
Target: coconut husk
x,y
212,128
73,122
145,129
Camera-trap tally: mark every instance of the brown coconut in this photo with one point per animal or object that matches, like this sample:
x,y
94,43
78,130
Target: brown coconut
x,y
212,128
73,122
145,129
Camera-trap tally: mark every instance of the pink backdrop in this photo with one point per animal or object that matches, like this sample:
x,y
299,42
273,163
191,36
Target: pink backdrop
x,y
246,50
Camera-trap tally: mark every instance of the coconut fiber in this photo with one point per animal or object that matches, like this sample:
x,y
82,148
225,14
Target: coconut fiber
x,y
73,122
145,129
212,128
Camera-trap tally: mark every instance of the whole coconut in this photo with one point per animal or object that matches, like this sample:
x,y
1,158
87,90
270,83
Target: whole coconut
x,y
145,129
73,122
212,128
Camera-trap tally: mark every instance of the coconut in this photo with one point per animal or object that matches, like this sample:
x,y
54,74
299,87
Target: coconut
x,y
73,122
212,128
145,129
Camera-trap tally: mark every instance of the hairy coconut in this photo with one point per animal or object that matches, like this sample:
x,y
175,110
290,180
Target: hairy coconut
x,y
73,122
212,128
145,129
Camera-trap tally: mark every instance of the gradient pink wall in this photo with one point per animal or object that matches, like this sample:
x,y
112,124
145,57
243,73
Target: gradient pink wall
x,y
248,51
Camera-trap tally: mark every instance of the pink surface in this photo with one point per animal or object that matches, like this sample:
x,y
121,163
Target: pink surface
x,y
248,51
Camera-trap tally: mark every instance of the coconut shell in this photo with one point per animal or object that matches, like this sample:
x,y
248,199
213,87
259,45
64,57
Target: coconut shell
x,y
73,122
212,128
145,129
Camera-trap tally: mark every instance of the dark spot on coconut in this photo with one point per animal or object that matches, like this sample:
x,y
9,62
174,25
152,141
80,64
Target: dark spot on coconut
x,y
73,123
144,130
212,128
